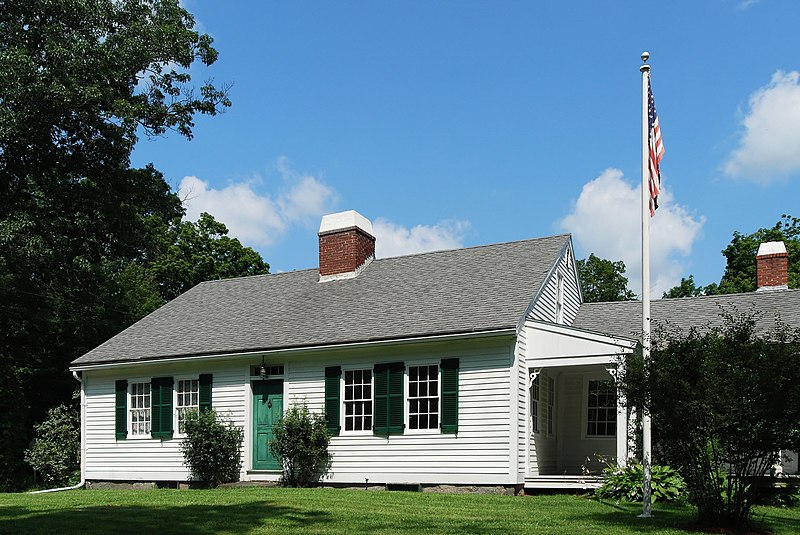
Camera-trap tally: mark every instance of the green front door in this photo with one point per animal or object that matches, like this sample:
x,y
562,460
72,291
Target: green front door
x,y
267,410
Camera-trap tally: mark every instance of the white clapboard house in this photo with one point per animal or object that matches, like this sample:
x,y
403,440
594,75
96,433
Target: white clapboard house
x,y
476,366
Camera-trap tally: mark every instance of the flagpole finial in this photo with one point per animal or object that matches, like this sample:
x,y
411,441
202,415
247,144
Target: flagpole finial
x,y
645,67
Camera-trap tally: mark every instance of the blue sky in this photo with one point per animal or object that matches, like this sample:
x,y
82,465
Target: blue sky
x,y
464,123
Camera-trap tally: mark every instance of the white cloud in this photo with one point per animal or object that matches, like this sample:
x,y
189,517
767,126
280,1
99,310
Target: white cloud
x,y
395,240
769,148
744,4
260,219
606,221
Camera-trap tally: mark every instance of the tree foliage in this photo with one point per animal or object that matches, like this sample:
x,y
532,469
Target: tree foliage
x,y
603,280
723,402
212,449
687,288
301,442
740,256
190,253
55,452
83,236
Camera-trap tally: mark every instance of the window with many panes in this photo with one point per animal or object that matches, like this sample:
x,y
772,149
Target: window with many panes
x,y
601,418
140,409
358,400
423,397
188,392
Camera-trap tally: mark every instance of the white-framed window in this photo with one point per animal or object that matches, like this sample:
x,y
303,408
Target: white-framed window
x,y
601,408
536,392
140,409
423,397
551,401
187,398
358,400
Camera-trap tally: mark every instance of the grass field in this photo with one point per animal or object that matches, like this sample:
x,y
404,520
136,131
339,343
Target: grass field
x,y
276,510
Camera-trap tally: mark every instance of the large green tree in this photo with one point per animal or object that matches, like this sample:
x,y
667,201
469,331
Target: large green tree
x,y
603,280
82,234
740,266
724,401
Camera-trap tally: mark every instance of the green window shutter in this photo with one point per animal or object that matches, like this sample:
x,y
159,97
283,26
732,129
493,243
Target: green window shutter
x,y
449,382
161,407
205,381
388,415
395,398
121,409
333,375
380,421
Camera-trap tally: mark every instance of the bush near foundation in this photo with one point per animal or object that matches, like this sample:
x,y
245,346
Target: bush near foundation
x,y
301,442
212,449
55,452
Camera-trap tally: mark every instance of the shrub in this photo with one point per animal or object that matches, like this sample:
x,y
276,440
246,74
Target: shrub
x,y
723,401
301,442
212,449
55,452
625,483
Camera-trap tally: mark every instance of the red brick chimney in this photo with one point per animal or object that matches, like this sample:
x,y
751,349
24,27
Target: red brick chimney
x,y
772,266
346,244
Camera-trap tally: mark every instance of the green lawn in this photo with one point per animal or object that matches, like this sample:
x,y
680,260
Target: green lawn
x,y
276,510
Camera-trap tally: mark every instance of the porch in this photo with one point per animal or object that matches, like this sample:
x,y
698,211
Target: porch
x,y
575,422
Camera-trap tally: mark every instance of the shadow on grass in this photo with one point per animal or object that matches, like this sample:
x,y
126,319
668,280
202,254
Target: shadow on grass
x,y
193,518
773,520
664,517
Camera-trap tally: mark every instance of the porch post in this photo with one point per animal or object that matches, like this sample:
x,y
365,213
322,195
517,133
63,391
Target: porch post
x,y
622,432
622,423
534,373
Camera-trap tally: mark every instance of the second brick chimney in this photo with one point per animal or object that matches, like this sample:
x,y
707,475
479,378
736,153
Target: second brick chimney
x,y
346,244
772,266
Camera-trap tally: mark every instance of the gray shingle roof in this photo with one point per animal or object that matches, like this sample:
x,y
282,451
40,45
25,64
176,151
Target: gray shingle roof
x,y
444,292
624,318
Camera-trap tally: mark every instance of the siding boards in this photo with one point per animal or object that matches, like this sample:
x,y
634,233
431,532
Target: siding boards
x,y
479,453
545,307
147,458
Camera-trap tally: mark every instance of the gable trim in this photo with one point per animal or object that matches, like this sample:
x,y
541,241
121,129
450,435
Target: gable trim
x,y
543,284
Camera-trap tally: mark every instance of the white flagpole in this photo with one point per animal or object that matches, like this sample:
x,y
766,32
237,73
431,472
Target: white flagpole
x,y
646,443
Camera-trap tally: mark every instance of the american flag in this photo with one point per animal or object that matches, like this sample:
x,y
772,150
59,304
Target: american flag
x,y
656,150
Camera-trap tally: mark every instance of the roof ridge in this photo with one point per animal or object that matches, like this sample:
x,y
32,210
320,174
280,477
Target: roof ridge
x,y
472,247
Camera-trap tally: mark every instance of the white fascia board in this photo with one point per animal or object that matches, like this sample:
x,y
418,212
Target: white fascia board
x,y
553,362
301,350
551,345
556,328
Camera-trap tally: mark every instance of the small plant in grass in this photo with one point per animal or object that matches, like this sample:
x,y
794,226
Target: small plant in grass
x,y
212,448
55,452
625,483
301,442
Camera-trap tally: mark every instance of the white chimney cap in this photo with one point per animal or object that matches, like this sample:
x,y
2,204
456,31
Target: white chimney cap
x,y
345,220
771,247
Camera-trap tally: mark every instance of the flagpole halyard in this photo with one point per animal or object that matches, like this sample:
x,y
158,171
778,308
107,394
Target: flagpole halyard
x,y
647,198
